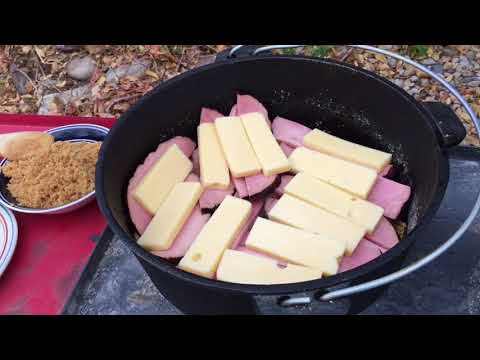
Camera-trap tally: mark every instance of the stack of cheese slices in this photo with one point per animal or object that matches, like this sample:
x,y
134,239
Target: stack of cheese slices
x,y
322,214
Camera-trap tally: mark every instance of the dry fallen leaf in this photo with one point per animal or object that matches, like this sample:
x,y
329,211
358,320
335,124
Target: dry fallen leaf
x,y
152,74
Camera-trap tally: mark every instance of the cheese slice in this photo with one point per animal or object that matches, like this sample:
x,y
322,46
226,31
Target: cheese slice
x,y
241,158
357,180
171,216
295,246
242,268
343,149
268,151
171,169
335,200
218,234
300,214
214,172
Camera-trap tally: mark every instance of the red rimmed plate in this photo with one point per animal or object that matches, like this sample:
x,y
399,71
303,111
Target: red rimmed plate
x,y
8,237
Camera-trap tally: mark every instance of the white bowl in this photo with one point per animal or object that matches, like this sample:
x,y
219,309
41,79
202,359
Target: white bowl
x,y
71,133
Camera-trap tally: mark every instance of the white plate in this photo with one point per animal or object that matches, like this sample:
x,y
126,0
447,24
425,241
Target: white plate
x,y
8,237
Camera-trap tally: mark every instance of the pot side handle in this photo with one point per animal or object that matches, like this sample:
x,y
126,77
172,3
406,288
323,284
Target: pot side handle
x,y
451,130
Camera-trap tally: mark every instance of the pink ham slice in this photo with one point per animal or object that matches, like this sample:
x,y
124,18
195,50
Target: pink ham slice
x,y
233,112
284,180
196,162
139,216
384,234
287,149
248,104
240,186
390,195
209,115
213,197
270,202
366,251
258,183
388,171
289,132
257,207
187,235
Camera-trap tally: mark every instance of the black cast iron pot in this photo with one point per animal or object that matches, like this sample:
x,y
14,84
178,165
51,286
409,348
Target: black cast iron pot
x,y
352,103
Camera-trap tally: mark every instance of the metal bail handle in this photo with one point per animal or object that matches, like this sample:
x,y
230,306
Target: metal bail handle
x,y
460,231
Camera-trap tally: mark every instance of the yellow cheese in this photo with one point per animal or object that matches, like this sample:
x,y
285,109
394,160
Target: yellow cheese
x,y
268,151
172,168
241,158
357,180
171,216
242,268
219,232
214,172
300,214
334,146
335,200
295,246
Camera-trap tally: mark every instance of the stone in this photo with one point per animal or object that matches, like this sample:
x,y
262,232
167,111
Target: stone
x,y
475,83
428,62
437,69
449,51
20,81
392,62
81,68
136,69
64,97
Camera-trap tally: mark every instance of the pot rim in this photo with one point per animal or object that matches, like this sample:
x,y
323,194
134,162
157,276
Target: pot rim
x,y
313,285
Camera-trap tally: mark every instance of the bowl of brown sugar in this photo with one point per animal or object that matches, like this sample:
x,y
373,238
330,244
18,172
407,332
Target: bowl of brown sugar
x,y
56,180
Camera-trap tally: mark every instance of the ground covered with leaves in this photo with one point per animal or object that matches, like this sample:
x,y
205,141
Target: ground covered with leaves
x,y
104,80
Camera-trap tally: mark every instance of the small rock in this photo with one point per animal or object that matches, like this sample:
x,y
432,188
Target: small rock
x,y
81,68
398,82
471,55
475,83
20,81
428,62
205,60
414,78
64,97
392,62
135,69
410,71
449,51
68,48
437,69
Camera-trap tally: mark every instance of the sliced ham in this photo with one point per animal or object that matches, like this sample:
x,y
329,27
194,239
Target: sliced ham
x,y
196,162
384,234
289,132
366,251
213,197
387,172
390,195
187,235
240,186
270,202
258,183
284,180
192,177
139,216
257,207
233,112
209,115
287,149
248,104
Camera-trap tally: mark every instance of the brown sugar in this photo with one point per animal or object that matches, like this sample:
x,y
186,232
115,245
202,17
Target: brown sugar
x,y
63,174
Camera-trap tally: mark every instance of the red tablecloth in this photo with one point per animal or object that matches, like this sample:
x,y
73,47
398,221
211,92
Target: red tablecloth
x,y
52,250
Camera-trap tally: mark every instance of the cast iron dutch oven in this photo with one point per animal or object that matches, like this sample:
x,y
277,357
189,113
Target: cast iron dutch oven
x,y
347,101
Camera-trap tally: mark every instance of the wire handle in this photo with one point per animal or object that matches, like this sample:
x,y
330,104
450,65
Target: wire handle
x,y
441,249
